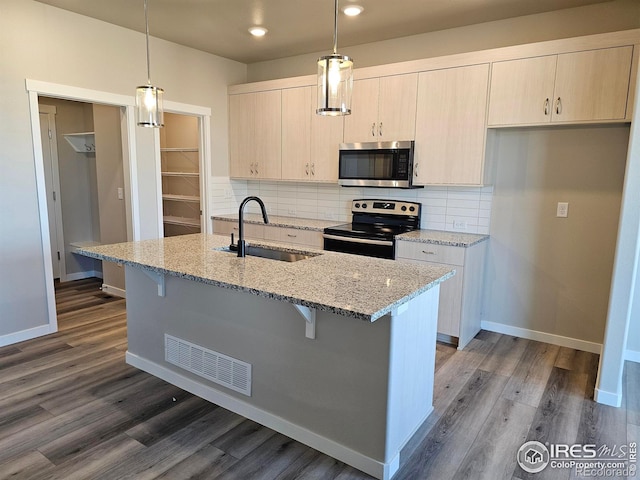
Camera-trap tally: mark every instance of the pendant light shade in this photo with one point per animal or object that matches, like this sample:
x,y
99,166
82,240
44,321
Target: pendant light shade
x,y
335,79
149,98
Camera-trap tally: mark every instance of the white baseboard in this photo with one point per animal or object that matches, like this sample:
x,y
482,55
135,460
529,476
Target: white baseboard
x,y
70,277
608,398
542,337
369,465
632,355
115,291
23,335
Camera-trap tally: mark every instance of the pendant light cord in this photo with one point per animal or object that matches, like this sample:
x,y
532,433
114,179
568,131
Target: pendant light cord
x,y
335,30
146,23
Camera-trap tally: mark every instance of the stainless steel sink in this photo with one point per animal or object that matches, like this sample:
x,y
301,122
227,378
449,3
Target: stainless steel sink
x,y
273,253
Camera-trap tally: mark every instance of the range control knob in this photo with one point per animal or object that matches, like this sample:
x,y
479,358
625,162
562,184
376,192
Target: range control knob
x,y
364,205
412,209
403,208
357,205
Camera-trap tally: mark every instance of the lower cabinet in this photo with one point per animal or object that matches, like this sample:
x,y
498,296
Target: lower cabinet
x,y
296,236
251,230
461,296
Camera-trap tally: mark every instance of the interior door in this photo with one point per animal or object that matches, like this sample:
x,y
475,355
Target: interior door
x,y
52,183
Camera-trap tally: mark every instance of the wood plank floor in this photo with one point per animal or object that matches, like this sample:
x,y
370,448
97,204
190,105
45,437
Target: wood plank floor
x,y
70,408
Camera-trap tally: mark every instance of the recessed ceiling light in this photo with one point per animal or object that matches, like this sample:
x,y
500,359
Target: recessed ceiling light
x,y
352,10
258,31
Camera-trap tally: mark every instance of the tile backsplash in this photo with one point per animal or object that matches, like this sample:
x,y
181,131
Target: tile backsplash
x,y
462,209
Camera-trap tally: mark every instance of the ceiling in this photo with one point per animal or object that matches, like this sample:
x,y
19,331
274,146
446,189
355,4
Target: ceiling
x,y
298,26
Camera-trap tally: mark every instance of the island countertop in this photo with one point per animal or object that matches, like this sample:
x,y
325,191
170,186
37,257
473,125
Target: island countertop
x,y
360,287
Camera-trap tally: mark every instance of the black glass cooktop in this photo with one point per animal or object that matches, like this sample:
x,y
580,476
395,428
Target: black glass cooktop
x,y
367,230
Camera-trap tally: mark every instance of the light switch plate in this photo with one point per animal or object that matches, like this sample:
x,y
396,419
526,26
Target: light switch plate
x,y
120,193
562,210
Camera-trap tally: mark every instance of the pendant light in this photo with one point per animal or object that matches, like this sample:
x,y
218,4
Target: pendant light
x,y
148,97
335,79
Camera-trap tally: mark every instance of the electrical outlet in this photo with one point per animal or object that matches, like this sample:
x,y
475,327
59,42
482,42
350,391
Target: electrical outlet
x,y
459,225
227,193
292,211
562,210
120,193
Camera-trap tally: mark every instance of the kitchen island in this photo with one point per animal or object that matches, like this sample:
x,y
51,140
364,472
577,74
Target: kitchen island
x,y
336,351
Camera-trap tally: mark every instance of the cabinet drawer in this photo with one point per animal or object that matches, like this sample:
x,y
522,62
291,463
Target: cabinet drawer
x,y
309,238
251,230
429,252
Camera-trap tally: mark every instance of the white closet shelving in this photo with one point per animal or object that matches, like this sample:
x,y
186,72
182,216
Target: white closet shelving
x,y
84,142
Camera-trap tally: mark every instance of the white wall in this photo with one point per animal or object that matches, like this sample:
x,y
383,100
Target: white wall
x,y
441,206
45,43
571,22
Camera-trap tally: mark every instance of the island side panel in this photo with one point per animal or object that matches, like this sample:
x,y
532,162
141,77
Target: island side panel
x,y
335,385
412,370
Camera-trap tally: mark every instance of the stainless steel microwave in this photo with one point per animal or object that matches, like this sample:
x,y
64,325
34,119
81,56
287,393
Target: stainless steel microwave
x,y
376,164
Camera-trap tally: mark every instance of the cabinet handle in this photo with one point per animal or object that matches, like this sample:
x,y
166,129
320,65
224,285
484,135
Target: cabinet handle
x,y
313,169
251,168
558,106
546,107
256,168
380,129
292,236
427,252
373,129
306,169
415,170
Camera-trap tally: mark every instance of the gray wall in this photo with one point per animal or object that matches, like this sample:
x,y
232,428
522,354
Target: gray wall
x,y
572,22
49,44
545,273
110,177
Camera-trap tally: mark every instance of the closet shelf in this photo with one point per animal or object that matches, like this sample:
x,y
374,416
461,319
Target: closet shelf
x,y
84,142
179,149
180,174
181,198
186,222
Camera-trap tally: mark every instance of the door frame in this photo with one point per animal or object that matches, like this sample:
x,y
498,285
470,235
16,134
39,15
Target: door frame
x,y
204,129
51,111
36,88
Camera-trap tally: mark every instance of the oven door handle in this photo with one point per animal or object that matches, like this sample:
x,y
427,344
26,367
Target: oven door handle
x,y
387,243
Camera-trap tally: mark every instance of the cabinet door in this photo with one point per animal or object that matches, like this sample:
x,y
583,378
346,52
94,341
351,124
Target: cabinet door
x,y
522,91
241,128
326,136
296,133
397,107
450,126
255,135
267,141
361,125
592,85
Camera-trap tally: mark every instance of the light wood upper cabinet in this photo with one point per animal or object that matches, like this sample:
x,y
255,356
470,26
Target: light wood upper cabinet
x,y
522,91
309,141
451,126
296,133
592,85
326,136
255,135
383,109
572,87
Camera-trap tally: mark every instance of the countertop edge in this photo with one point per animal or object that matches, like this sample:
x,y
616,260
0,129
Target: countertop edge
x,y
275,296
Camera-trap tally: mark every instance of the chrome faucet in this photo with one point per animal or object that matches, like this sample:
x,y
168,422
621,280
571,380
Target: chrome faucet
x,y
241,242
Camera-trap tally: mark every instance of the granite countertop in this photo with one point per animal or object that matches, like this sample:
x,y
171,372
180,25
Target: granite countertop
x,y
355,286
438,237
441,237
279,221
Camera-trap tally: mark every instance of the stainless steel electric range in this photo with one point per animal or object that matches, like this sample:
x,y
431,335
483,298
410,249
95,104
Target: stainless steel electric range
x,y
374,225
